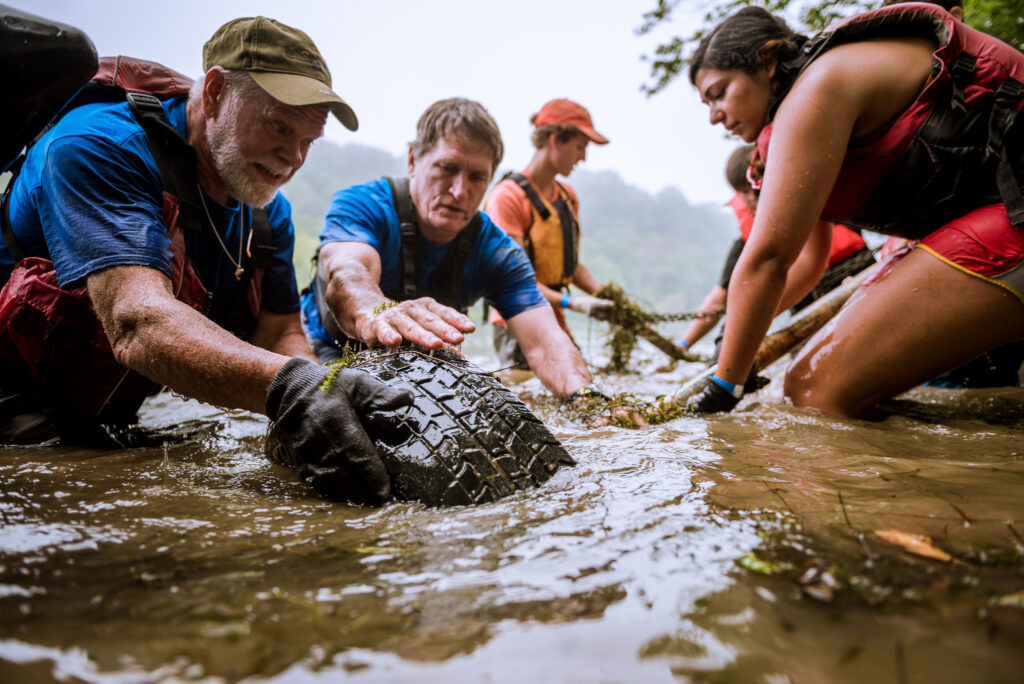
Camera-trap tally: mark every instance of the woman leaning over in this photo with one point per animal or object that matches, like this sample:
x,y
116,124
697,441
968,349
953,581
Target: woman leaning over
x,y
901,121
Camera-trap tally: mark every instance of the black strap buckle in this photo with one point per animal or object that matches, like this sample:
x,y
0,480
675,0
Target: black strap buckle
x,y
144,103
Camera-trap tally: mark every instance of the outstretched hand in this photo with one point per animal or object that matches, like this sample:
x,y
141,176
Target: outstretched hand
x,y
422,321
595,307
317,429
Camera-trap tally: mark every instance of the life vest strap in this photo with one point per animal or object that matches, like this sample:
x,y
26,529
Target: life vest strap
x,y
1003,118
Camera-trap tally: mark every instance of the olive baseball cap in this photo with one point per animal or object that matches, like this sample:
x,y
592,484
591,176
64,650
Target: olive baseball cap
x,y
282,60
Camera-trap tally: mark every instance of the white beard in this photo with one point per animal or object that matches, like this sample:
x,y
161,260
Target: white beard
x,y
234,169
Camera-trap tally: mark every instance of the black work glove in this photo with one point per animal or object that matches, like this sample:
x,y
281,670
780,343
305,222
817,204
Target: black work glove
x,y
712,398
754,383
319,432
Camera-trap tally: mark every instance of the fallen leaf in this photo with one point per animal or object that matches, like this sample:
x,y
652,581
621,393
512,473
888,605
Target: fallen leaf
x,y
913,543
754,564
1013,600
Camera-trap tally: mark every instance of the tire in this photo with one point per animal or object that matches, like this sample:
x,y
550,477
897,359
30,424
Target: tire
x,y
466,438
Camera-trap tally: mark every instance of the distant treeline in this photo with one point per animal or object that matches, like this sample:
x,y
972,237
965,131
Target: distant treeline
x,y
665,251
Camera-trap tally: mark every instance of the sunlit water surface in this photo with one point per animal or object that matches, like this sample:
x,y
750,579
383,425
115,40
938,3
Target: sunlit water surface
x,y
737,548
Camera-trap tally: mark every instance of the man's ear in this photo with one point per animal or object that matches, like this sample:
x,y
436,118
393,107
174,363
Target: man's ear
x,y
214,85
412,161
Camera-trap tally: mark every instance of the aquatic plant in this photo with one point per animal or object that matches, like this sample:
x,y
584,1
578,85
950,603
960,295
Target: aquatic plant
x,y
384,306
334,367
630,322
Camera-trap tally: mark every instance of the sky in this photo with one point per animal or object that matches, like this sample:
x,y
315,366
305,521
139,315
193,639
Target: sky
x,y
390,59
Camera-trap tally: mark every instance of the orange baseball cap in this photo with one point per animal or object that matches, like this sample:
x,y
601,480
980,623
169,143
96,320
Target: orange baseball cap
x,y
564,112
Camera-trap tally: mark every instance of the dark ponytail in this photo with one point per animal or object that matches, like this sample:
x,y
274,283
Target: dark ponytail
x,y
748,41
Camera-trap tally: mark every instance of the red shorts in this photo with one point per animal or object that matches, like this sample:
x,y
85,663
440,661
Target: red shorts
x,y
983,244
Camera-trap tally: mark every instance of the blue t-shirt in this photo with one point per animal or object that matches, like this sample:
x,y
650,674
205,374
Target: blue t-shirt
x,y
89,197
497,268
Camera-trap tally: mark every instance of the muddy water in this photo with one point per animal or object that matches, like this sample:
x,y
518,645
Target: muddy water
x,y
738,548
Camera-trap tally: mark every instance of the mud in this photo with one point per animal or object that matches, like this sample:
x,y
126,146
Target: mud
x,y
738,548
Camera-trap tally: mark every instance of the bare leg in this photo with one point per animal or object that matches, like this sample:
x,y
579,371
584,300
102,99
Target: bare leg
x,y
921,319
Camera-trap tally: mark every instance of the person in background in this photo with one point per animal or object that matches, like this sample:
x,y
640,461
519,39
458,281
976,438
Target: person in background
x,y
849,254
125,262
541,214
402,260
837,109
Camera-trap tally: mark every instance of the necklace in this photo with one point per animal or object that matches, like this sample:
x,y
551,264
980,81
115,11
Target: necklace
x,y
239,270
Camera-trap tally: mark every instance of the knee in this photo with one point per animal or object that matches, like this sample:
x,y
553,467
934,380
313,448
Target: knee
x,y
810,386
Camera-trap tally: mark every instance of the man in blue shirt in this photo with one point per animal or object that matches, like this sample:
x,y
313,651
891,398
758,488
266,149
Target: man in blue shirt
x,y
108,276
403,260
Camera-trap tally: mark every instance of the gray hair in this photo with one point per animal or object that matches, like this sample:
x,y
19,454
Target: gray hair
x,y
457,115
238,82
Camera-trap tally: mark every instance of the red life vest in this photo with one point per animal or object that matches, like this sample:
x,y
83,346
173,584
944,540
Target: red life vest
x,y
50,337
954,149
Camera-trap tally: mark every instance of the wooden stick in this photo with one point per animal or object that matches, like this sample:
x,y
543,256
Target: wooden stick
x,y
664,344
780,342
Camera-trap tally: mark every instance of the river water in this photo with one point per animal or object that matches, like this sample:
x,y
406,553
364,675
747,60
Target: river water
x,y
736,548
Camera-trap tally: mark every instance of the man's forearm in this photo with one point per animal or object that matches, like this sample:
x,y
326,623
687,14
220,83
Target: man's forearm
x,y
173,344
353,295
550,352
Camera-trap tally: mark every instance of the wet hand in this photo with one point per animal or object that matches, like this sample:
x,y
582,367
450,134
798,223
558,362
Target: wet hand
x,y
422,321
317,429
595,307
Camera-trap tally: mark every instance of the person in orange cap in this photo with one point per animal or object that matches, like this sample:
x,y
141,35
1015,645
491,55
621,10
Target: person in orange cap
x,y
542,215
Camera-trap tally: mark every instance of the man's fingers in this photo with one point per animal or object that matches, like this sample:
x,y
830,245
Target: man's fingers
x,y
451,316
418,322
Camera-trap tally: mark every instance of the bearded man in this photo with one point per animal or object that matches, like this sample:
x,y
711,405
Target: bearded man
x,y
146,245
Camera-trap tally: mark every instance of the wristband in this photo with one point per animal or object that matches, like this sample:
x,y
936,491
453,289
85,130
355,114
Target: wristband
x,y
682,343
730,387
565,301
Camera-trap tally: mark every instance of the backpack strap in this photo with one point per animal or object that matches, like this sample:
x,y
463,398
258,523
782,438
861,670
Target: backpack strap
x,y
570,231
14,247
260,246
174,157
1003,118
453,265
531,194
961,76
410,235
327,319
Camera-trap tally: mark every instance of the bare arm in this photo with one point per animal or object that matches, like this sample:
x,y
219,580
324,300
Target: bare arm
x,y
699,327
171,343
352,271
550,352
851,90
585,280
282,334
809,266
